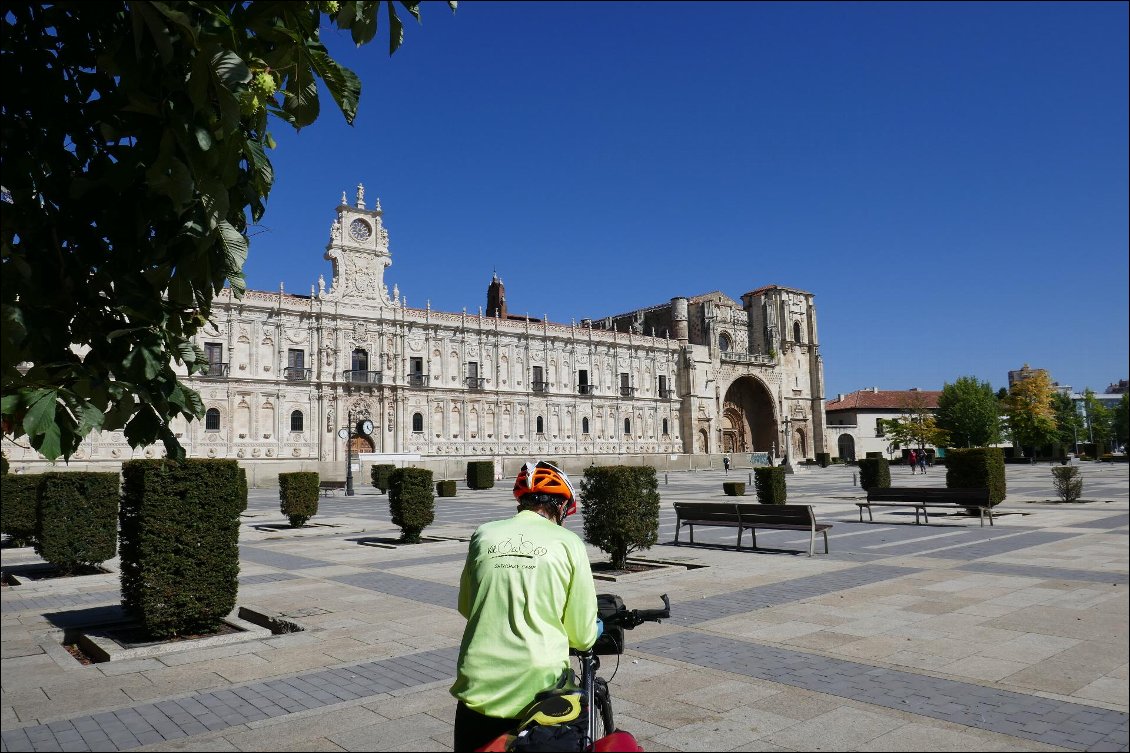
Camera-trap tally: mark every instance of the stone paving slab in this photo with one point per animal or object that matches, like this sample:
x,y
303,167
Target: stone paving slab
x,y
941,637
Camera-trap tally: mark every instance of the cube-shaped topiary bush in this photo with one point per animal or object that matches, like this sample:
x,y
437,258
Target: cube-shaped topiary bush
x,y
298,496
18,499
480,474
620,505
977,467
823,459
411,501
180,543
445,488
734,488
380,473
874,473
77,519
769,482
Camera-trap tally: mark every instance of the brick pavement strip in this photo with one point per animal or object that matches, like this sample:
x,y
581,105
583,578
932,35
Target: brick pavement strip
x,y
223,709
1076,726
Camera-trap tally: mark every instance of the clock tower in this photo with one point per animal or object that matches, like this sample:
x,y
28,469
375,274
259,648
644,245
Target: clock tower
x,y
358,250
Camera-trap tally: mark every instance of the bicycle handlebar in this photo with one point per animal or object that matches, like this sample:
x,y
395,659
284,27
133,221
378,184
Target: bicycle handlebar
x,y
632,618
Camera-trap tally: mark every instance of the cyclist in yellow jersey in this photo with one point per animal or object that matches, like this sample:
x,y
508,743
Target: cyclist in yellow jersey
x,y
528,596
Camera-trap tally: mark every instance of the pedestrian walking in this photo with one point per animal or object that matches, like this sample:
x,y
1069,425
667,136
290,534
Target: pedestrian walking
x,y
912,459
922,458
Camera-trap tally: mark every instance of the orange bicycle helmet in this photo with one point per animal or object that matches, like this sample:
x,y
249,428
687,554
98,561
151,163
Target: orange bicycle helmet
x,y
547,483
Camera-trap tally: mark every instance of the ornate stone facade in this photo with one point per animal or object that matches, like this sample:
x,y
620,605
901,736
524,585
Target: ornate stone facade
x,y
694,375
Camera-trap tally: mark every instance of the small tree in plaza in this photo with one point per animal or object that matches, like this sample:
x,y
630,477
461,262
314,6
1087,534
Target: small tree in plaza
x,y
1100,423
620,505
298,496
1068,482
1069,425
411,500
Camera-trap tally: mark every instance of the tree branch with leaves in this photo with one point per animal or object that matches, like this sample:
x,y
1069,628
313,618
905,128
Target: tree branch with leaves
x,y
134,154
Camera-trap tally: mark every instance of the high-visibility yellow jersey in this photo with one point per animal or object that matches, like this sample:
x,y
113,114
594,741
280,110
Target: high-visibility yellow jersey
x,y
528,596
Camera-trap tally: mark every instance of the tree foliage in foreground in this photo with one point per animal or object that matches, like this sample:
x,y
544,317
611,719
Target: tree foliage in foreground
x,y
968,409
134,153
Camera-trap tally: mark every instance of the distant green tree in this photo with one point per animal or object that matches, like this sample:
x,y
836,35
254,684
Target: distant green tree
x,y
134,148
1100,422
1069,425
970,412
1122,419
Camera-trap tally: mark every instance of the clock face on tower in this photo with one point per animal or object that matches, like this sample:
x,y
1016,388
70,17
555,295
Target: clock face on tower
x,y
359,230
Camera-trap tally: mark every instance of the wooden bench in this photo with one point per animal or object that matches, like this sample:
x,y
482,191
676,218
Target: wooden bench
x,y
922,497
751,516
330,487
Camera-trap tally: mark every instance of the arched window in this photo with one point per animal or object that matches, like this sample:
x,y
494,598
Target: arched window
x,y
627,426
796,331
585,425
724,342
212,420
418,422
664,427
360,360
540,425
296,421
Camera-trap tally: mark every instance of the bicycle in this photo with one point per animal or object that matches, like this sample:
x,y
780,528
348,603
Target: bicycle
x,y
576,714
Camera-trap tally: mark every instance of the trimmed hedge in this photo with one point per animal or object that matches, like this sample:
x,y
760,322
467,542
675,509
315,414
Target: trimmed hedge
x,y
770,485
823,459
180,543
874,473
445,488
411,501
734,488
77,519
380,474
3,465
480,474
298,496
18,498
620,505
977,467
874,455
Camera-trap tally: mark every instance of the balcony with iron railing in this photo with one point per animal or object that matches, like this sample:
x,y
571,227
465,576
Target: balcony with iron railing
x,y
357,376
417,380
539,386
627,391
667,394
757,358
296,374
475,383
586,389
215,370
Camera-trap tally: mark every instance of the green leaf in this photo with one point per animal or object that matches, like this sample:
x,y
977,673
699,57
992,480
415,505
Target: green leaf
x,y
230,69
40,416
343,84
145,360
395,30
119,413
235,254
89,418
49,443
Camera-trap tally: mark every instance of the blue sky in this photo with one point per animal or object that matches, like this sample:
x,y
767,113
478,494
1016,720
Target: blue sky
x,y
949,180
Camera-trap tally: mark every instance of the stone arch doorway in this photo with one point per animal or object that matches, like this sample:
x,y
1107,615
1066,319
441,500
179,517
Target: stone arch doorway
x,y
800,444
748,422
703,441
361,443
846,446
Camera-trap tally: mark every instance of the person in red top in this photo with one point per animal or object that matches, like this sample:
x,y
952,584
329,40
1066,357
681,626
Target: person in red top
x,y
913,460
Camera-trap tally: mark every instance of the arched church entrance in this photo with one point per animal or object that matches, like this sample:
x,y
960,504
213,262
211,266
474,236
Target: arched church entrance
x,y
846,446
360,443
748,423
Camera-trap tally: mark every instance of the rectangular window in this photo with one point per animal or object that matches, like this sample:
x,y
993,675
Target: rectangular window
x,y
416,365
214,352
296,358
878,427
663,386
625,385
537,383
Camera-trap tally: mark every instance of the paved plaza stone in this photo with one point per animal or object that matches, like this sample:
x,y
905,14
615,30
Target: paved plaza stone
x,y
942,636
